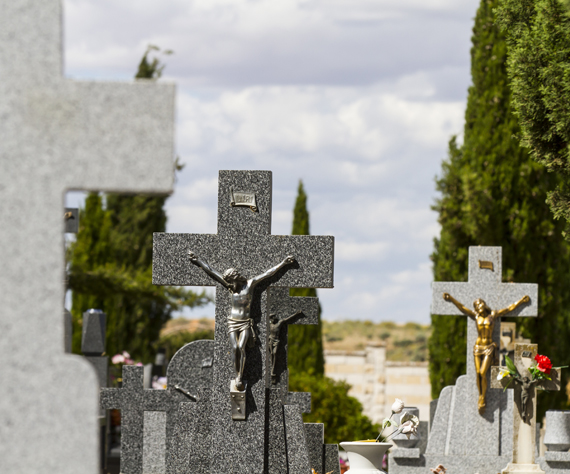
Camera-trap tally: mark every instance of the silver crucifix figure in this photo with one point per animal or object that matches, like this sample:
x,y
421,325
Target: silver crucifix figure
x,y
240,324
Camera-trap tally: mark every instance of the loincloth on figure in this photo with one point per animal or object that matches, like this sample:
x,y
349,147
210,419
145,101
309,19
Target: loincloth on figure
x,y
484,350
273,343
240,325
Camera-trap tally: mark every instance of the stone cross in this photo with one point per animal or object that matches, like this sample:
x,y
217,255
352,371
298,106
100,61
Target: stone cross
x,y
244,242
524,418
485,282
282,305
57,135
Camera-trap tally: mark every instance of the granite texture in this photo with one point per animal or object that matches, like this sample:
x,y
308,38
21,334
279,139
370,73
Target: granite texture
x,y
315,436
275,443
297,452
555,462
244,242
56,135
331,459
191,443
412,453
93,332
71,219
282,305
460,438
303,399
557,432
154,443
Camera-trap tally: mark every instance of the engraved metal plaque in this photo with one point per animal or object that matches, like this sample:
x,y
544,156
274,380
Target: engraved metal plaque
x,y
207,362
237,400
486,265
527,354
71,218
243,198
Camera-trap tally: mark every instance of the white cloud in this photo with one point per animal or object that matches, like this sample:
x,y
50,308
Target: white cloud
x,y
356,97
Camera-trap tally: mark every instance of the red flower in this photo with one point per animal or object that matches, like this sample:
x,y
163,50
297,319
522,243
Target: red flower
x,y
543,363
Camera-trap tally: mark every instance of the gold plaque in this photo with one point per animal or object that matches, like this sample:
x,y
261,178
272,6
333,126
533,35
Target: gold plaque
x,y
486,265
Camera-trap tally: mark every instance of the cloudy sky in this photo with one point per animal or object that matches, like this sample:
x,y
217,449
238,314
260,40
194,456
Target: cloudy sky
x,y
358,98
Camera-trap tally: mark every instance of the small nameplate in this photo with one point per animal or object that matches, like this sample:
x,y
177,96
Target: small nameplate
x,y
243,198
508,333
486,265
237,401
527,354
207,362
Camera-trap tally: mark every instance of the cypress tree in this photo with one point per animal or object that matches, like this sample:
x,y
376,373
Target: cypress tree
x,y
305,341
111,265
538,35
493,193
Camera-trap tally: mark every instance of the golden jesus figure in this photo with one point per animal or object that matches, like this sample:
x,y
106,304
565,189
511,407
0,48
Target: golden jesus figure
x,y
484,349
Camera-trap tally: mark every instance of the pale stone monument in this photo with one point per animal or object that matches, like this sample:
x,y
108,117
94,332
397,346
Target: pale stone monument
x,y
57,135
524,416
463,438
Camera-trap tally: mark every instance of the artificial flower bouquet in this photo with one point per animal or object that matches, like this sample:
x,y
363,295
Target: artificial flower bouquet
x,y
539,370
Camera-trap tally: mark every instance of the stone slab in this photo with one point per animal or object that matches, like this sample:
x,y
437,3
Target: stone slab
x,y
93,332
71,219
297,453
405,453
315,436
332,463
154,443
302,399
56,135
275,442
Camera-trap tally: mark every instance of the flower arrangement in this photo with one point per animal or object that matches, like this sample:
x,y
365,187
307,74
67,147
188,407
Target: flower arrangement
x,y
408,423
539,370
118,360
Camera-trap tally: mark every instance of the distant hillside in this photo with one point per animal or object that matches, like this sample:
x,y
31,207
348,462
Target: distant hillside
x,y
404,342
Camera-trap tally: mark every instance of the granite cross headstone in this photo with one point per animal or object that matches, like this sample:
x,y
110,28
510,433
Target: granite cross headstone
x,y
56,135
484,282
244,242
524,417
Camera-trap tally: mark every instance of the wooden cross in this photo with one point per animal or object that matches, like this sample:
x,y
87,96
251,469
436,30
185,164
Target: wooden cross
x,y
524,416
244,242
58,134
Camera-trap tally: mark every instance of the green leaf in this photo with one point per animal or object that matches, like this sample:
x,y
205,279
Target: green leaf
x,y
511,366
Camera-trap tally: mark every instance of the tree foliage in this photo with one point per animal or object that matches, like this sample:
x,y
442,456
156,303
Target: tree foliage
x,y
331,405
305,341
111,266
538,34
493,193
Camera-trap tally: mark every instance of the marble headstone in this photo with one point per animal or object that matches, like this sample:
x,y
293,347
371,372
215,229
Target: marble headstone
x,y
57,135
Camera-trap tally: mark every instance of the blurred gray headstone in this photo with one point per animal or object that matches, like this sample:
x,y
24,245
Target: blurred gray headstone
x,y
71,219
57,135
68,331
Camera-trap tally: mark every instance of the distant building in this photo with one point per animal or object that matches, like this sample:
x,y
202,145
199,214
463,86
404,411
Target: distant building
x,y
376,382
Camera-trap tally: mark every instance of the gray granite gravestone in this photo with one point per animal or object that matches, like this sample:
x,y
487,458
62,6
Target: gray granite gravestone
x,y
462,439
156,424
524,417
56,135
243,241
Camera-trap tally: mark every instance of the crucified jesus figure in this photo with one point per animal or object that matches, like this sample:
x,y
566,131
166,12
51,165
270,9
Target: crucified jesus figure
x,y
240,324
484,349
274,328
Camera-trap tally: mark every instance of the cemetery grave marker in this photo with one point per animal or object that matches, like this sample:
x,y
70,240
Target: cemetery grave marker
x,y
243,242
57,135
524,416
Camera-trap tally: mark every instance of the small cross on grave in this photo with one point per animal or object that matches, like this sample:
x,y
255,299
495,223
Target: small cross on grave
x,y
524,416
484,286
164,430
58,134
287,310
243,246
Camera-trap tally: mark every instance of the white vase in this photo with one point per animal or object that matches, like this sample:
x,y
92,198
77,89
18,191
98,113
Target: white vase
x,y
365,457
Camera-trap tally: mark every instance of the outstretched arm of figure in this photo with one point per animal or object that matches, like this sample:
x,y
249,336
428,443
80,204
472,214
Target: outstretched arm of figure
x,y
216,275
272,271
460,307
523,300
292,316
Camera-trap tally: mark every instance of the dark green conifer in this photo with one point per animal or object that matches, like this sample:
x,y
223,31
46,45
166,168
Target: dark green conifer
x,y
305,341
493,193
